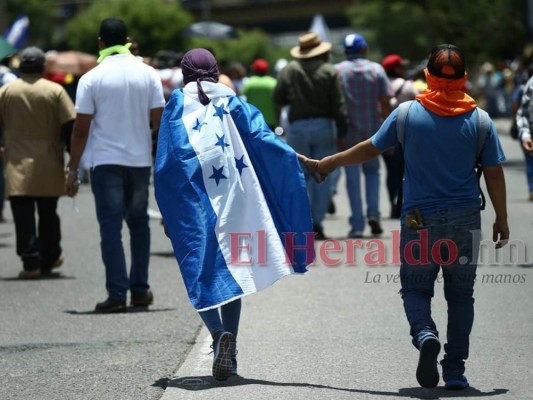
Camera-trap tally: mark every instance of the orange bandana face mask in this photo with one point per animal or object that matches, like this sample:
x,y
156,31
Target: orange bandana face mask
x,y
446,97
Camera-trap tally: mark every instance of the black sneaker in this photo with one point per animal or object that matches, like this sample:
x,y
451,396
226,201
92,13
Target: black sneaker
x,y
427,373
111,306
142,299
375,226
456,383
222,347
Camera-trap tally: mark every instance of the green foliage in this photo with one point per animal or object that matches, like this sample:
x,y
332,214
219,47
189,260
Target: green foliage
x,y
411,28
154,24
250,45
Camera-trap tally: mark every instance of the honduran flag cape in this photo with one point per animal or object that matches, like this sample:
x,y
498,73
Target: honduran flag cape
x,y
232,195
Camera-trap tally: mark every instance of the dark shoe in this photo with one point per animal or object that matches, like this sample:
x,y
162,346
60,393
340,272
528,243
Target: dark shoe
x,y
375,226
319,233
30,274
47,270
222,347
59,262
111,306
456,383
332,209
142,299
427,373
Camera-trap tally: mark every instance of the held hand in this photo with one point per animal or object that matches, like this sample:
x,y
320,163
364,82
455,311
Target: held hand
x,y
72,184
528,145
311,166
500,233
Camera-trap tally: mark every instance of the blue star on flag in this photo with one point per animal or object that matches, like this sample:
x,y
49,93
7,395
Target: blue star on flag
x,y
221,142
239,163
198,125
217,174
219,111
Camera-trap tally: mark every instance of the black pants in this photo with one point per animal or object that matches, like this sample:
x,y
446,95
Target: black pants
x,y
38,248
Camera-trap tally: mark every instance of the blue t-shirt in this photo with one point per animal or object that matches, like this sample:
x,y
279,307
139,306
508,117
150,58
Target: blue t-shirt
x,y
440,158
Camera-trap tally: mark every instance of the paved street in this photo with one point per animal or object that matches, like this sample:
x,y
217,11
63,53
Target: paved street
x,y
338,332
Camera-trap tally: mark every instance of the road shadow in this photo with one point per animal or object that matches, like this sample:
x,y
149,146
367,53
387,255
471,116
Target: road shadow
x,y
129,310
54,276
166,254
196,383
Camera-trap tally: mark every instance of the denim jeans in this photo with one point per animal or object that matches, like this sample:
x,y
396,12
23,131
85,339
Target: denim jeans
x,y
353,186
529,169
314,138
121,193
449,240
38,243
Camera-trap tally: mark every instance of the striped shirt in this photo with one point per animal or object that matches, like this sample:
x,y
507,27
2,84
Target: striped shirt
x,y
364,83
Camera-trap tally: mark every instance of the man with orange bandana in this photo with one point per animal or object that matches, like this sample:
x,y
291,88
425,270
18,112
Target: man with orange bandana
x,y
440,221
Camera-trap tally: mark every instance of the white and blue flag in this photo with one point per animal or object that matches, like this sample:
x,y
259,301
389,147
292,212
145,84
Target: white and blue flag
x,y
232,195
17,33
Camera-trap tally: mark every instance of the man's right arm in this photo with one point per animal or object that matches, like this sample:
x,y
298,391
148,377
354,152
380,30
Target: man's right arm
x,y
80,133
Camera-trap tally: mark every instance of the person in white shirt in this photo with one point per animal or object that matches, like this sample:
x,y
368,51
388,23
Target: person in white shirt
x,y
119,105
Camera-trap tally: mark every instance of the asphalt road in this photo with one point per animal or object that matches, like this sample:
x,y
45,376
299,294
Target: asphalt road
x,y
52,345
338,332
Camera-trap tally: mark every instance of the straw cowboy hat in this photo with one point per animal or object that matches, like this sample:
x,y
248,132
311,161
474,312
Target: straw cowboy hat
x,y
310,46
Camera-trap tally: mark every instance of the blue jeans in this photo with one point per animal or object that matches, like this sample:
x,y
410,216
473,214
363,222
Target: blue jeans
x,y
529,169
314,138
121,193
353,186
449,240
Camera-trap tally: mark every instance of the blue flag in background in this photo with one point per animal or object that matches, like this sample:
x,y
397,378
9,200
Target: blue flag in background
x,y
232,195
17,33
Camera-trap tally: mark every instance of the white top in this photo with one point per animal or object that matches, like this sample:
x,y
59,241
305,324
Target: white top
x,y
119,93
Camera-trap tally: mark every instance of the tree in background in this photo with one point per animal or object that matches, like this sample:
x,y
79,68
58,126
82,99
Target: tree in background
x,y
482,30
40,13
249,45
154,24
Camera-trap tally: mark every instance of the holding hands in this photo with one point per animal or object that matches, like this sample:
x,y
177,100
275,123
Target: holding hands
x,y
318,169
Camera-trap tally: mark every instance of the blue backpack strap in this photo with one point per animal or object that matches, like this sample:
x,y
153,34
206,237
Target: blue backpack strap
x,y
403,110
482,134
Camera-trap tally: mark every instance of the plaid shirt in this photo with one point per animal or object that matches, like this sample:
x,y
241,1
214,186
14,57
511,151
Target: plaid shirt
x,y
364,83
524,116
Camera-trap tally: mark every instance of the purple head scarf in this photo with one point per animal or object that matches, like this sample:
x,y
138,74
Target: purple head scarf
x,y
199,65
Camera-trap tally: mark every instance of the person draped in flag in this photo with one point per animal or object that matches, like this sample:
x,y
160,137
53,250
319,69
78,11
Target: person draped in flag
x,y
441,206
233,199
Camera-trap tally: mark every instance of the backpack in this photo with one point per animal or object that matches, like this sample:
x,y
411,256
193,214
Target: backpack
x,y
483,132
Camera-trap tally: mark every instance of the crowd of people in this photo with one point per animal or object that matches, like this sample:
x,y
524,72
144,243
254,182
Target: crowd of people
x,y
128,119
